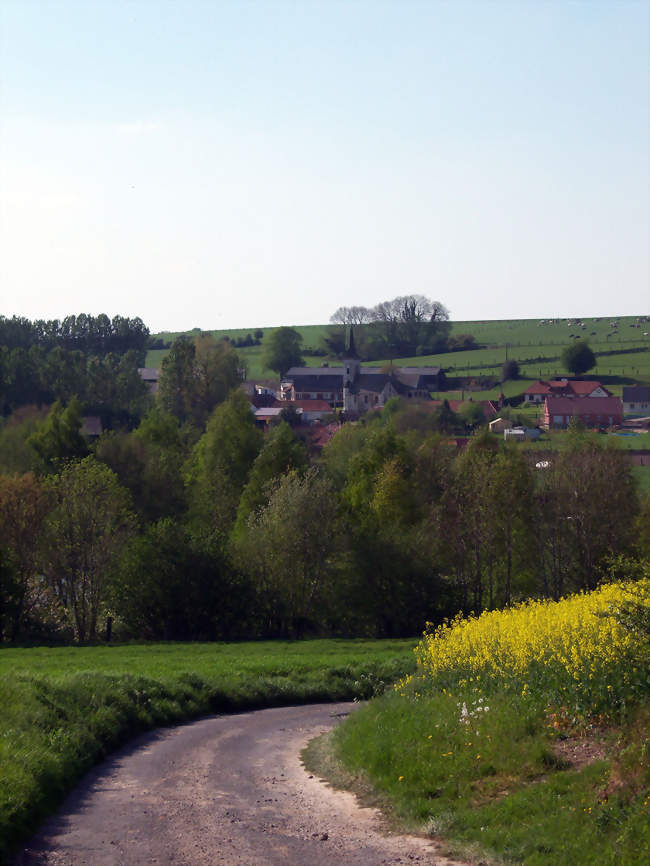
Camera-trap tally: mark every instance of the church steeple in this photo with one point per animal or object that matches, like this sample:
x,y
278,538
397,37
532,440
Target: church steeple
x,y
351,365
352,352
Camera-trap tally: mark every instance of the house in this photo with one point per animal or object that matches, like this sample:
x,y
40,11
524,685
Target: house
x,y
540,390
265,415
310,410
592,412
358,387
150,375
636,400
499,425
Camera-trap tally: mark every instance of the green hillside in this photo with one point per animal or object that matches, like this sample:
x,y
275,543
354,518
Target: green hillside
x,y
623,352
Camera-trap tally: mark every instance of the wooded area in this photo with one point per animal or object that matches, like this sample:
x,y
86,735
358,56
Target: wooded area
x,y
184,520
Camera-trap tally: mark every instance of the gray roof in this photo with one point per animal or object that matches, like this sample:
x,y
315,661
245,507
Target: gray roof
x,y
312,371
636,394
370,378
149,374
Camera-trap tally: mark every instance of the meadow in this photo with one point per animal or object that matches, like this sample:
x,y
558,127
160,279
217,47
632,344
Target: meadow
x,y
523,735
65,708
623,353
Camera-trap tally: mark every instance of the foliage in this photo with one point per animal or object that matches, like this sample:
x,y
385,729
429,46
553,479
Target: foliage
x,y
220,463
148,462
281,452
282,350
86,527
471,745
578,358
59,438
23,507
197,375
94,335
510,370
409,324
572,650
287,551
173,585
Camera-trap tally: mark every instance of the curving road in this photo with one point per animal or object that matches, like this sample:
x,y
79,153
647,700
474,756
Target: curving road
x,y
223,790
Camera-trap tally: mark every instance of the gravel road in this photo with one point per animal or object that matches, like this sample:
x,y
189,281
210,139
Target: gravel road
x,y
223,790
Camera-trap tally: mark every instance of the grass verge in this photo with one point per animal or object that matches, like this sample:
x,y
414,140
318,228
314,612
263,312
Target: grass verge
x,y
523,735
64,709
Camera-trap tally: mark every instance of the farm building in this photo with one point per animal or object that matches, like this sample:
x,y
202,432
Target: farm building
x,y
594,412
540,390
500,424
357,387
310,410
636,400
150,375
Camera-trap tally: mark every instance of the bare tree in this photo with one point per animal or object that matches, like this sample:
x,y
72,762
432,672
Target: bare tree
x,y
351,316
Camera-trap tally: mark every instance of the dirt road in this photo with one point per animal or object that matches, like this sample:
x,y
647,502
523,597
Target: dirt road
x,y
223,790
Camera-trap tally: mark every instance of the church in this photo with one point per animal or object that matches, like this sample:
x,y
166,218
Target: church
x,y
357,387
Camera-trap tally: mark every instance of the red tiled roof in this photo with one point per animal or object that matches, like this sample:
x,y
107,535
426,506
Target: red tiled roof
x,y
579,387
593,406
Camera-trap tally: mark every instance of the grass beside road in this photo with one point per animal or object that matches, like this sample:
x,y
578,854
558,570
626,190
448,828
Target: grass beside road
x,y
65,708
523,738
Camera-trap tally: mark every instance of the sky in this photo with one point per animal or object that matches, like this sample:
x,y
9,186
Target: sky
x,y
221,164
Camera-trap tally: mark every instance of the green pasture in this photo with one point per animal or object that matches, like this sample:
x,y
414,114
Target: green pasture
x,y
623,353
65,708
209,660
529,332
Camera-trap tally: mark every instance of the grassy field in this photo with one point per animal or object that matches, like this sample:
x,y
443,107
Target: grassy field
x,y
623,353
523,737
65,708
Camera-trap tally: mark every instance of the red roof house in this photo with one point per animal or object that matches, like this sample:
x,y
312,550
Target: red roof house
x,y
540,390
594,412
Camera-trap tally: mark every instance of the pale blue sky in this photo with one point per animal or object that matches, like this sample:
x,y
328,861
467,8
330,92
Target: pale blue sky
x,y
235,164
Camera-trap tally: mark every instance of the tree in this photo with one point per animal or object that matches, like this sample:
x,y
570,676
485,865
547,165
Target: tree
x,y
197,375
288,548
578,358
510,370
410,321
351,316
23,506
472,414
9,593
281,453
149,463
177,379
220,463
60,437
282,350
173,585
84,533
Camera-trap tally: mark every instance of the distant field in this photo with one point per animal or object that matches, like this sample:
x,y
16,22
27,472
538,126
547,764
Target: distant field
x,y
537,348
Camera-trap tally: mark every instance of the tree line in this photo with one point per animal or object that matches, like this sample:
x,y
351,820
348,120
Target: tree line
x,y
92,335
211,529
92,358
407,325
